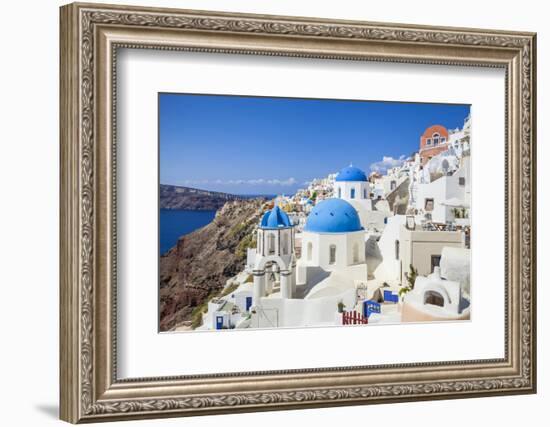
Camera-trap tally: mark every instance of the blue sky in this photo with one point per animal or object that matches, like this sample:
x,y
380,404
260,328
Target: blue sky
x,y
253,145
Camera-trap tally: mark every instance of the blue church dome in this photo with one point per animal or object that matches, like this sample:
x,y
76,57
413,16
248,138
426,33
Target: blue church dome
x,y
275,218
333,216
351,173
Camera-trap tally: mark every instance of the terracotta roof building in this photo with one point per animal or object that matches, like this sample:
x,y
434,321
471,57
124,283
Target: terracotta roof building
x,y
433,141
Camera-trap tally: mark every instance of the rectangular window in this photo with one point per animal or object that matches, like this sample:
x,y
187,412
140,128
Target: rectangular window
x,y
271,244
435,261
461,181
332,254
429,205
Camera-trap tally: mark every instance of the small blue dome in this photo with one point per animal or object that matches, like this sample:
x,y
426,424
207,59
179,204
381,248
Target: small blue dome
x,y
333,216
351,173
275,218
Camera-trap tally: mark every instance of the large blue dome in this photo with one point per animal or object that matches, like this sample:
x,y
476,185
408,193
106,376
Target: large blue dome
x,y
351,173
275,218
333,216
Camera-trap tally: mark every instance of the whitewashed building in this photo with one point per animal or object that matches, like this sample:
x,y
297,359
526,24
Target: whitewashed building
x,y
423,248
441,198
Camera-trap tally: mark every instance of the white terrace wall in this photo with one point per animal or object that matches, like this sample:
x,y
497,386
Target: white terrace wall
x,y
299,313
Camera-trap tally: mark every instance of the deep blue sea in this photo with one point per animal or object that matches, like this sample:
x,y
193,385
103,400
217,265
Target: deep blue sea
x,y
176,223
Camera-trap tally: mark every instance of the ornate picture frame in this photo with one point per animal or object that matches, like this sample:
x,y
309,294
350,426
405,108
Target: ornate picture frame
x,y
90,37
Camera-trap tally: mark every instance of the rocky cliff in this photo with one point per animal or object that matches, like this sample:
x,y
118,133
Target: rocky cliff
x,y
202,261
175,197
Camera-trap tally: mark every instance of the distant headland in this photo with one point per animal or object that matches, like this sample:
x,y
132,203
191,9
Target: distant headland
x,y
178,197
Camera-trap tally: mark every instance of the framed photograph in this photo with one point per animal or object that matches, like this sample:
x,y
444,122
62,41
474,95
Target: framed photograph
x,y
266,212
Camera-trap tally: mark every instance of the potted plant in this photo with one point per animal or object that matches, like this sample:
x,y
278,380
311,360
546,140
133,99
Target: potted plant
x,y
341,306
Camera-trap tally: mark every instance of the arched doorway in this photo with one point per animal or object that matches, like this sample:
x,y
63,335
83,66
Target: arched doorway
x,y
434,298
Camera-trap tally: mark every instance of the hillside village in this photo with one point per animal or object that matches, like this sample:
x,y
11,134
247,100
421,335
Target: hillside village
x,y
352,248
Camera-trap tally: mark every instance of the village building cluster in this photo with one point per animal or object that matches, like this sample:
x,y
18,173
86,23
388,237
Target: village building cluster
x,y
354,248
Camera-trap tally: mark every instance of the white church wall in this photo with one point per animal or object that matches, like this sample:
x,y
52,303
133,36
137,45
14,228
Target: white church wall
x,y
320,249
342,190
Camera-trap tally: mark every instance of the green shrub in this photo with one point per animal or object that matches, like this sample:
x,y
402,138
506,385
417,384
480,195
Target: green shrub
x,y
246,242
231,288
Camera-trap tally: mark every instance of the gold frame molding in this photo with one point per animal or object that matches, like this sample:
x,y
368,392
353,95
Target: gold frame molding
x,y
90,37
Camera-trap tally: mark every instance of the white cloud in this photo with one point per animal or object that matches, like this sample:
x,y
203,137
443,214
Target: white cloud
x,y
258,181
386,163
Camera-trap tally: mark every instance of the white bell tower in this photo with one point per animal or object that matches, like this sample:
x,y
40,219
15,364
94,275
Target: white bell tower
x,y
275,259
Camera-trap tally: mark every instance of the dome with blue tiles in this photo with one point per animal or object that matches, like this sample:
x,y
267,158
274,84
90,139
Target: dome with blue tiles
x,y
333,216
351,173
275,218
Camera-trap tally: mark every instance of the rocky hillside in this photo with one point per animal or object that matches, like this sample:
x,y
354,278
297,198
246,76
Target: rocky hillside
x,y
175,197
202,261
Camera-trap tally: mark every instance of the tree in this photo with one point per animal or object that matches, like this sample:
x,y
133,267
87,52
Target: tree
x,y
411,278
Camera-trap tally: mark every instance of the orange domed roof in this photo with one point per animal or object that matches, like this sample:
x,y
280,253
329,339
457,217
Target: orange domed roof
x,y
441,130
427,138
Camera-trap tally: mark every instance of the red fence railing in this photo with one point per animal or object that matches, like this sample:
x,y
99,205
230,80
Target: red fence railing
x,y
354,318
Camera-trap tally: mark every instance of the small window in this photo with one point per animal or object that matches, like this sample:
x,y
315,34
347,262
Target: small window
x,y
352,193
332,254
435,138
393,184
397,249
436,259
271,244
429,141
339,193
443,140
461,181
261,245
364,194
355,253
309,251
429,205
285,244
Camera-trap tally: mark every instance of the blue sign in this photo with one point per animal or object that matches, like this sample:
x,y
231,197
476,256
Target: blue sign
x,y
389,296
370,306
